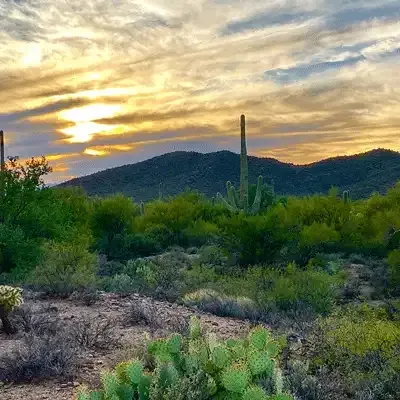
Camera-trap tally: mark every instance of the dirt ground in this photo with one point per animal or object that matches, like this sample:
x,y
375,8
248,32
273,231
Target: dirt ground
x,y
130,339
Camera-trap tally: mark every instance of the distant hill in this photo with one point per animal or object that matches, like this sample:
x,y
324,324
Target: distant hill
x,y
362,174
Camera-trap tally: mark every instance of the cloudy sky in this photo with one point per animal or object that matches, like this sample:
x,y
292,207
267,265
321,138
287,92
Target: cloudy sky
x,y
100,83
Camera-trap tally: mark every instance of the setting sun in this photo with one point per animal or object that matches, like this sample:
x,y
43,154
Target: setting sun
x,y
83,117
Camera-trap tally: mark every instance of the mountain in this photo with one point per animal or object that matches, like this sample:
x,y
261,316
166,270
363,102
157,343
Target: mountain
x,y
362,174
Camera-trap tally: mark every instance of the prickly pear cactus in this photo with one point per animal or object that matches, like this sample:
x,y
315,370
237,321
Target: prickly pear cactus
x,y
258,337
260,363
236,378
231,369
254,393
10,297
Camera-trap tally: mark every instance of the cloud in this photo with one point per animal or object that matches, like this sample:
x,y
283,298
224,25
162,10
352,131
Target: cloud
x,y
315,78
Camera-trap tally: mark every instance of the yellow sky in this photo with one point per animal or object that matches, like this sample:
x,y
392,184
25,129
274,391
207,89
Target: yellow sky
x,y
99,84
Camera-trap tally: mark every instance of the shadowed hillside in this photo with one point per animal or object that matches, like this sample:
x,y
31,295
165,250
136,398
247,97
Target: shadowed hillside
x,y
362,174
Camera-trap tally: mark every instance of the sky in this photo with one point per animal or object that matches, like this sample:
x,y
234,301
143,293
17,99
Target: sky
x,y
101,83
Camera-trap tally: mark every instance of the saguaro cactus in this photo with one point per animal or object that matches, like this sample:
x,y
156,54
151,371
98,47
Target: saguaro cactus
x,y
234,203
2,160
142,208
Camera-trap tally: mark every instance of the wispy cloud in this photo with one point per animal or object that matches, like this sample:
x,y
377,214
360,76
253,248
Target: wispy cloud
x,y
102,83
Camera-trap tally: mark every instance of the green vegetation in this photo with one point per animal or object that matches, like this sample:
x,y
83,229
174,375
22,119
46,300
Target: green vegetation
x,y
199,366
305,266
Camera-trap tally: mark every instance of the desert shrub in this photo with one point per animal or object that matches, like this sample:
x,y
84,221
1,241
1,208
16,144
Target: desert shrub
x,y
201,232
35,319
222,305
364,346
361,332
294,288
318,235
39,357
249,240
184,220
93,332
88,296
109,267
141,313
307,384
200,366
161,276
121,283
212,256
64,269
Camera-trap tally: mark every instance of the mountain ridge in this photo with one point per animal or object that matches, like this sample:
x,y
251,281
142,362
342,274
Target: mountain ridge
x,y
363,173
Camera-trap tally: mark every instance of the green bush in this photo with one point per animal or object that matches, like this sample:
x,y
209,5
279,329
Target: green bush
x,y
363,344
18,254
120,283
297,289
160,276
64,268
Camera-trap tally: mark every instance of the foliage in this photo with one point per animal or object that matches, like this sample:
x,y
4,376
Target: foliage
x,y
200,365
64,268
20,186
362,343
160,276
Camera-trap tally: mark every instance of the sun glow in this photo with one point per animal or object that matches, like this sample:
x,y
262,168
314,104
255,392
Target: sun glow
x,y
94,152
83,118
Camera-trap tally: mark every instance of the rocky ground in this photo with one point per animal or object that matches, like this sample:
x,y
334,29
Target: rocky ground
x,y
127,339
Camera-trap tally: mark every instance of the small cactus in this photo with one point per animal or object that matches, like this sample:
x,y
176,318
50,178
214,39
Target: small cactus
x,y
346,196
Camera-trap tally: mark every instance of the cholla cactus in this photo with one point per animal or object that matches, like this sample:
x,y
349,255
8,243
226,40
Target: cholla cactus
x,y
393,241
10,298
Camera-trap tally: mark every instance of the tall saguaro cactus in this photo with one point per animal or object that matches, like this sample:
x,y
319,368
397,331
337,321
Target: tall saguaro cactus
x,y
234,203
244,168
2,159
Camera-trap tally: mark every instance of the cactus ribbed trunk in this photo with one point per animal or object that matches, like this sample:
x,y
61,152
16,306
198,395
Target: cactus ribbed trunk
x,y
7,327
2,158
244,170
